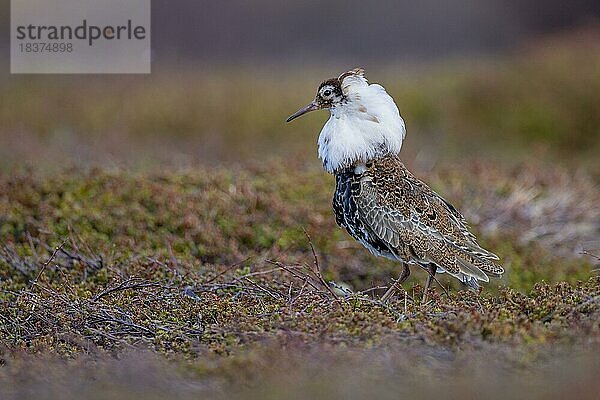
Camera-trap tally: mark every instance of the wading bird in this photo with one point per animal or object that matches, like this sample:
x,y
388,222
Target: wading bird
x,y
377,200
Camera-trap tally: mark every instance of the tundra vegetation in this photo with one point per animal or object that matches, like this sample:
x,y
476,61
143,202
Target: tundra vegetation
x,y
170,236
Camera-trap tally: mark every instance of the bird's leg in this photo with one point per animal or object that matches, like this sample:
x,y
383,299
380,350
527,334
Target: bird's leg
x,y
403,276
431,270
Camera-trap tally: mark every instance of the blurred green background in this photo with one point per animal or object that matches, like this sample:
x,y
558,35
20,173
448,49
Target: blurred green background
x,y
495,80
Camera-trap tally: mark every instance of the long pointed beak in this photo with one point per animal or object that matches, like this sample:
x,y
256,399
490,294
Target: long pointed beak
x,y
311,107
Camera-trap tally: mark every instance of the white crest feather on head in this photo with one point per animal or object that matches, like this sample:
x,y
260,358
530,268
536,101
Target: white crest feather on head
x,y
364,126
356,74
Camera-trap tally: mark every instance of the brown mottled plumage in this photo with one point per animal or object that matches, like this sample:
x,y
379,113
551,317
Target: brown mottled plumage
x,y
395,215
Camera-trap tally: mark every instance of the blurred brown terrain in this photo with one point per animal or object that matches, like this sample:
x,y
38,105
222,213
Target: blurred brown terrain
x,y
541,100
152,236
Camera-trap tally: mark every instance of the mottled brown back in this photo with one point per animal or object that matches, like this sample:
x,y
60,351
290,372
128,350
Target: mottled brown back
x,y
396,215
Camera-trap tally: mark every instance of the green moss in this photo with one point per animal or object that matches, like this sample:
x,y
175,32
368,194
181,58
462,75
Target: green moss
x,y
210,231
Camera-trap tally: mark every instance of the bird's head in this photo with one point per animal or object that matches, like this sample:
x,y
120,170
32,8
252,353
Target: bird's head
x,y
364,122
330,94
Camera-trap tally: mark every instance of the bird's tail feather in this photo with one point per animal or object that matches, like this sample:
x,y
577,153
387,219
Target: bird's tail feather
x,y
464,264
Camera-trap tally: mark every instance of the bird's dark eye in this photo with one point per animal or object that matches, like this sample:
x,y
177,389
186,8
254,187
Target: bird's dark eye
x,y
327,93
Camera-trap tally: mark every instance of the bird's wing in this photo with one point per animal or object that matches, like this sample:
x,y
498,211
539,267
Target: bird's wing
x,y
406,214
